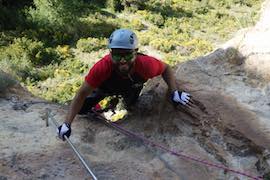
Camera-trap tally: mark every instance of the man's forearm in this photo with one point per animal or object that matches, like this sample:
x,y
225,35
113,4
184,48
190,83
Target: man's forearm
x,y
169,78
75,107
78,101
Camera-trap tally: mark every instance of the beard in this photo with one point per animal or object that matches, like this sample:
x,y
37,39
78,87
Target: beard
x,y
124,69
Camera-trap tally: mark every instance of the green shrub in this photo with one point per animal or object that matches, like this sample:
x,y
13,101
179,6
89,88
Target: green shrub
x,y
25,59
56,13
91,44
198,47
56,21
115,5
6,38
174,59
64,52
144,38
74,66
59,89
134,5
6,81
165,45
26,73
35,51
98,26
155,18
19,70
175,24
11,14
136,24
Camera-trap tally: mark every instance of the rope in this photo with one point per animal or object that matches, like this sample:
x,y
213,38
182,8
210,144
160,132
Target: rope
x,y
179,154
77,153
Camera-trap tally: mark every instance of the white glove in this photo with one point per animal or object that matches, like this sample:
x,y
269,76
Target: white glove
x,y
180,97
64,129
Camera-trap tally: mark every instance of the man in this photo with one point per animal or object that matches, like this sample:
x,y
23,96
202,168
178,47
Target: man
x,y
121,72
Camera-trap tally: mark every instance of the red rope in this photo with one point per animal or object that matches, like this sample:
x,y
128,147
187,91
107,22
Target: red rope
x,y
179,154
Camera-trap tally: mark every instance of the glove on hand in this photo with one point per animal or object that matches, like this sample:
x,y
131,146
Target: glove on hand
x,y
64,129
180,97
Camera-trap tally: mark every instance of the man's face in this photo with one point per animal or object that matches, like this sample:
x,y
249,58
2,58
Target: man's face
x,y
123,59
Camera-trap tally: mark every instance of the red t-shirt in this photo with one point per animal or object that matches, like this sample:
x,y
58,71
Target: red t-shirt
x,y
145,66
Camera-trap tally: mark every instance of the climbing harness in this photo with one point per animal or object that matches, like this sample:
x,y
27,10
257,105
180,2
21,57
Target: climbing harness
x,y
50,118
178,154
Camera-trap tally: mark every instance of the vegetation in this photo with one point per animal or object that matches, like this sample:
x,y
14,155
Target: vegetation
x,y
43,43
5,81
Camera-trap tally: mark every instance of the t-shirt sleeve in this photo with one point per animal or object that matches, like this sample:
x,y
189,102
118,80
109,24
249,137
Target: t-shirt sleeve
x,y
150,67
99,72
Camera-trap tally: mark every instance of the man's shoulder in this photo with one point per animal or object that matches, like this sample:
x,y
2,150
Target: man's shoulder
x,y
99,72
105,59
144,57
149,66
104,62
143,60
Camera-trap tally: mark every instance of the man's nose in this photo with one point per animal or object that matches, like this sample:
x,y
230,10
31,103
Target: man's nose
x,y
123,61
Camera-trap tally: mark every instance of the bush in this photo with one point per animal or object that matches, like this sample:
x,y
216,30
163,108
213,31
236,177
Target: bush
x,y
26,59
56,22
63,82
145,37
164,45
11,14
194,48
91,44
56,13
73,66
174,59
59,89
134,5
136,24
115,5
35,51
6,38
155,18
6,81
98,26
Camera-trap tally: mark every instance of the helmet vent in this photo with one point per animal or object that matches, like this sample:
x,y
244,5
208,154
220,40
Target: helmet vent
x,y
131,39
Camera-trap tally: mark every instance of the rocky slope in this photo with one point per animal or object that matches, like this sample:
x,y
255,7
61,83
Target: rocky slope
x,y
229,124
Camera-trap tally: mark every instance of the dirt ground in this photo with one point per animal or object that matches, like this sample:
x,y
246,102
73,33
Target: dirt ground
x,y
228,126
209,131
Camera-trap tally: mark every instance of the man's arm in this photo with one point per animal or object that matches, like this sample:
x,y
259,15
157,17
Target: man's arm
x,y
169,78
177,97
78,101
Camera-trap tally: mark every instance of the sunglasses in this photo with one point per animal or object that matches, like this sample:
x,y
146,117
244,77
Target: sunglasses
x,y
118,57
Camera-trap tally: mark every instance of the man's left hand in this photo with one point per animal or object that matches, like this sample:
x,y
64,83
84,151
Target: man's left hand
x,y
181,97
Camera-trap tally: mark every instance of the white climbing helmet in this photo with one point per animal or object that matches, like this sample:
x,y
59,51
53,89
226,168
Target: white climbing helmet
x,y
123,39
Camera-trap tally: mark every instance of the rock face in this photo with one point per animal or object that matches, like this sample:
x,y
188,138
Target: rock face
x,y
229,124
240,70
240,73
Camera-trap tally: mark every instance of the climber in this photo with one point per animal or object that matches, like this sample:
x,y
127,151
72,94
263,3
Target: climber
x,y
121,72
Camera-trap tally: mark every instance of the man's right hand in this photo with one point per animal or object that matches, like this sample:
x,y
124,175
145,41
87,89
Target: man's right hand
x,y
64,129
